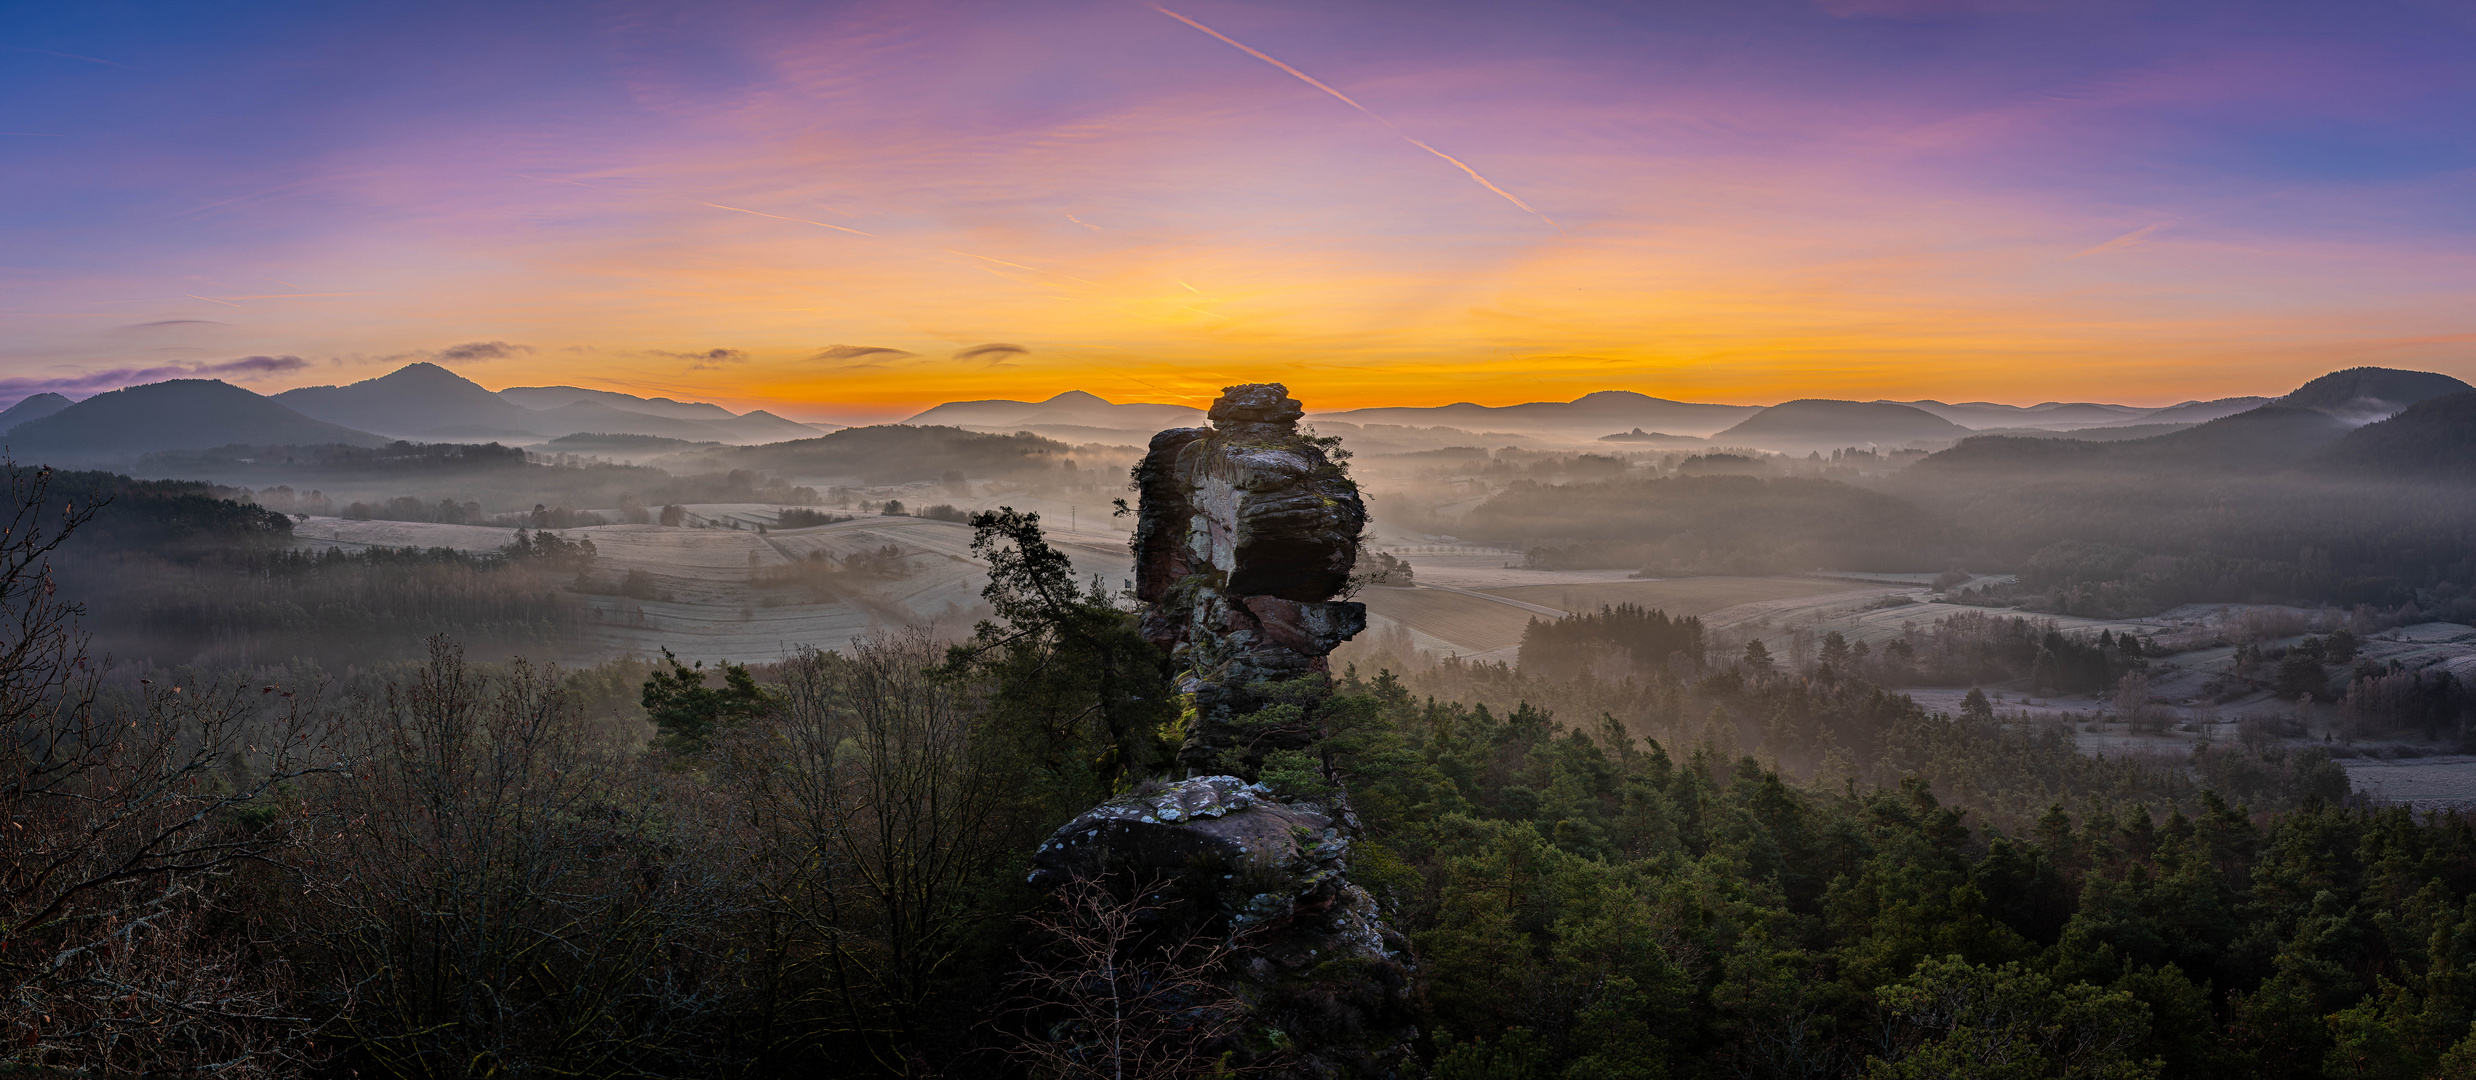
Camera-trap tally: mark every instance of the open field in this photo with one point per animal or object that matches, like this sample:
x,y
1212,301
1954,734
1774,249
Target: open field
x,y
1485,622
2433,783
1448,622
1693,596
707,603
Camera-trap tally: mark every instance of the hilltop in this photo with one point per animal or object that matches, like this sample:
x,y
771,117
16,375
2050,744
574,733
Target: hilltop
x,y
183,414
1818,424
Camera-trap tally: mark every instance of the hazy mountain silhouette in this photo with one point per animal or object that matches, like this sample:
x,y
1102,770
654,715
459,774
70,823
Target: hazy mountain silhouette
x,y
1585,417
1073,408
2053,414
595,417
1822,424
759,426
428,402
553,397
2195,412
415,400
2270,437
33,408
183,414
2366,394
2282,434
2433,439
895,453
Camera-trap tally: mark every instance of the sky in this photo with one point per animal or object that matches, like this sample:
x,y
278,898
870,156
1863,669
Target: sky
x,y
851,211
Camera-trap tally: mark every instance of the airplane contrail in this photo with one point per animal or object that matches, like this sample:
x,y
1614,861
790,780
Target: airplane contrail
x,y
1370,113
779,217
2126,240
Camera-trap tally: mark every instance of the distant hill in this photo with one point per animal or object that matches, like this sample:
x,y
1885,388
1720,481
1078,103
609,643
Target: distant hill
x,y
594,416
552,397
2265,439
2101,433
2052,414
751,427
1073,408
2195,412
416,399
2433,439
1651,438
2081,415
900,453
33,408
183,414
2270,437
759,426
428,401
2366,394
1821,424
1585,417
2284,433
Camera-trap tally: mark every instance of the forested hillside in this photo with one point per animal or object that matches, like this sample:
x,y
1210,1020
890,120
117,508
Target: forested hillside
x,y
1717,868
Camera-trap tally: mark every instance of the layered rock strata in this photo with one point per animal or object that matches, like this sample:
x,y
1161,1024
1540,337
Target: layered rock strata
x,y
1247,530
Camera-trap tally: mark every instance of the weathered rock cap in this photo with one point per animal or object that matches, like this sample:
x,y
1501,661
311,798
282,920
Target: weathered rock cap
x,y
1257,403
1243,850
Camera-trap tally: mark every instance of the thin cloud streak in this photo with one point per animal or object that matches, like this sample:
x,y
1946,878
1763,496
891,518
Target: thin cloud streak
x,y
1371,114
2124,241
779,217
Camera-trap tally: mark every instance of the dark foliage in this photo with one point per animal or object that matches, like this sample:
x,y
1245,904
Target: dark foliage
x,y
689,712
1561,648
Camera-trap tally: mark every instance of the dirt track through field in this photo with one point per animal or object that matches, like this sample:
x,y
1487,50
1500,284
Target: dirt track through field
x,y
1680,596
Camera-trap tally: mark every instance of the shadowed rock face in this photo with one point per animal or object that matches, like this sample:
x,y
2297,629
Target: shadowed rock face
x,y
1247,531
1316,959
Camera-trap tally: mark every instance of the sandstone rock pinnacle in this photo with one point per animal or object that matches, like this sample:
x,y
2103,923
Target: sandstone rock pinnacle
x,y
1247,531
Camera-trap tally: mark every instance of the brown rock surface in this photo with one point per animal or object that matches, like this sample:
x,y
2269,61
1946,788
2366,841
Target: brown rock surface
x,y
1247,530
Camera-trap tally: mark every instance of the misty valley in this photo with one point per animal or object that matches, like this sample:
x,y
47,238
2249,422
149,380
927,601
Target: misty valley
x,y
409,728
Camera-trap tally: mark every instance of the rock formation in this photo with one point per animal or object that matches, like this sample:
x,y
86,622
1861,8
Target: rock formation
x,y
1247,530
1324,981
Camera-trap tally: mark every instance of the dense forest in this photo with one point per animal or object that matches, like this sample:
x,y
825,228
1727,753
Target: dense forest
x,y
1703,866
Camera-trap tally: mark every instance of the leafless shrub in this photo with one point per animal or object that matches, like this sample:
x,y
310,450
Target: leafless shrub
x,y
115,818
874,775
1110,997
508,900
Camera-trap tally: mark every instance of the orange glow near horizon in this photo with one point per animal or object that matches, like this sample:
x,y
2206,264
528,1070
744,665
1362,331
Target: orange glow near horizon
x,y
834,212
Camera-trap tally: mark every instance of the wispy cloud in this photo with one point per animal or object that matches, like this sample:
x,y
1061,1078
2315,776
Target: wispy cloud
x,y
161,324
93,382
473,351
708,360
871,353
993,352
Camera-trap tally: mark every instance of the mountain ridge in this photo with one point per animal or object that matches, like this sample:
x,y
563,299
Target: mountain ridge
x,y
177,414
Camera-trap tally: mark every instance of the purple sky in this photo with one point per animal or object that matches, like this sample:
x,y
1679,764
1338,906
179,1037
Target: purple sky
x,y
1738,201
